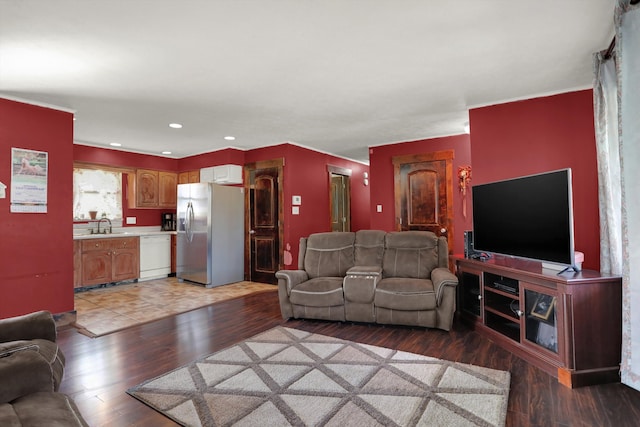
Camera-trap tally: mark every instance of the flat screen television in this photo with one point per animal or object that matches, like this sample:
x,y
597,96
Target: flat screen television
x,y
526,217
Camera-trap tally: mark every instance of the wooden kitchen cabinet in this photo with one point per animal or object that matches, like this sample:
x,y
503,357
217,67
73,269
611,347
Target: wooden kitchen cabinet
x,y
147,185
125,258
77,264
152,189
167,189
189,177
109,260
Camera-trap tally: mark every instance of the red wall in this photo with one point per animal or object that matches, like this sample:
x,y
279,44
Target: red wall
x,y
540,135
381,179
36,253
105,156
306,175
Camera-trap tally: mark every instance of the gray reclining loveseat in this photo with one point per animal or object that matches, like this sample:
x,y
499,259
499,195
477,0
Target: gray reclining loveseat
x,y
372,276
31,369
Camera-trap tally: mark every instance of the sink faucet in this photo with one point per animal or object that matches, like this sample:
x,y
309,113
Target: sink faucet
x,y
109,221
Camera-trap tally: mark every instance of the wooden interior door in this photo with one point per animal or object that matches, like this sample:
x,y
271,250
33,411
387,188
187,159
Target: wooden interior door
x,y
339,198
424,193
264,216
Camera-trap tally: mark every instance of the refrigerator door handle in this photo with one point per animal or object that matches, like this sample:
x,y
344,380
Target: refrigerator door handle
x,y
188,223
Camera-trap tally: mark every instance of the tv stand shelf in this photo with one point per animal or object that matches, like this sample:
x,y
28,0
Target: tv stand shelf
x,y
569,325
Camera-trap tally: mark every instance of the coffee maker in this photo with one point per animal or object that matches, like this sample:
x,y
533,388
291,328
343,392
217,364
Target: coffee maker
x,y
168,221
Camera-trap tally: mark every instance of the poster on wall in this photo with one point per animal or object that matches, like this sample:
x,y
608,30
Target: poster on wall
x,y
29,180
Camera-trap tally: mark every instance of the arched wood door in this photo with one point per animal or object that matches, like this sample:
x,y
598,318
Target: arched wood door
x,y
424,193
263,219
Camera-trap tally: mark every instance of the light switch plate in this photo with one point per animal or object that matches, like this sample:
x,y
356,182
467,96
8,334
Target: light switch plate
x,y
296,200
379,208
295,210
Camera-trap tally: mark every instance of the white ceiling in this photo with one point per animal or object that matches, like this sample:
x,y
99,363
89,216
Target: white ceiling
x,y
334,75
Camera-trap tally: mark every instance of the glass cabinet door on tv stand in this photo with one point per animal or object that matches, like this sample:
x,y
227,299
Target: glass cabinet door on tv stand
x,y
470,294
541,319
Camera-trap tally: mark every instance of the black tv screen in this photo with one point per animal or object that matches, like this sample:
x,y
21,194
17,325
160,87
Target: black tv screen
x,y
527,217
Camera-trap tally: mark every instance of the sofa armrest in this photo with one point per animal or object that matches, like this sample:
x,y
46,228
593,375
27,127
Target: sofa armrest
x,y
23,372
442,277
291,278
29,326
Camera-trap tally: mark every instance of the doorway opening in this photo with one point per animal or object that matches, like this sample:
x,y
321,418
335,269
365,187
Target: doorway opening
x,y
339,198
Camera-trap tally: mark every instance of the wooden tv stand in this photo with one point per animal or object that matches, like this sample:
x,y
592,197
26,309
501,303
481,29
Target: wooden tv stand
x,y
569,325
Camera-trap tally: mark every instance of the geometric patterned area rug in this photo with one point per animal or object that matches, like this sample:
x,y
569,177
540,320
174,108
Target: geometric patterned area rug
x,y
289,377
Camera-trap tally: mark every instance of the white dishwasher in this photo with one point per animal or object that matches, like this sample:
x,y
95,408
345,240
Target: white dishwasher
x,y
155,256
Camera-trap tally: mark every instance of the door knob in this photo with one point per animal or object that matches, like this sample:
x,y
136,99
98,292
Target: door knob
x,y
443,230
252,231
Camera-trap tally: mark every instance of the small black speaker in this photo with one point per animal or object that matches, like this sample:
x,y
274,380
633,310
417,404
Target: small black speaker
x,y
468,244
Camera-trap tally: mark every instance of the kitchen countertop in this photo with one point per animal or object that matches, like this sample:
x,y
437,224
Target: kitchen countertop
x,y
83,234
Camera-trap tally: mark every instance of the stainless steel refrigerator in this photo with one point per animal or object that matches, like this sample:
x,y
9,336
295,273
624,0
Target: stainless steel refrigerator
x,y
210,241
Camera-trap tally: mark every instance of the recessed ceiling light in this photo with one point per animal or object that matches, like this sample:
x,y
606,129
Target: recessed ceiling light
x,y
166,152
115,144
175,125
230,138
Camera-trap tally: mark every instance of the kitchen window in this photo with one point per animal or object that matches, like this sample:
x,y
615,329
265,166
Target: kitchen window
x,y
96,192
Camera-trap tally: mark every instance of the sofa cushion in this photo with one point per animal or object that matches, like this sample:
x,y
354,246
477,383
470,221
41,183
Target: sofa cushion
x,y
329,254
410,254
21,373
405,294
39,324
43,409
47,349
369,247
318,292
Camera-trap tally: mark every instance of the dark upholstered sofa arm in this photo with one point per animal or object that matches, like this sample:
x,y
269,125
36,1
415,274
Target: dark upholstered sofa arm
x,y
291,278
442,277
27,327
23,372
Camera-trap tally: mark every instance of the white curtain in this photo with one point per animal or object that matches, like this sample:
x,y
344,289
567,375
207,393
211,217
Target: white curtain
x,y
628,57
605,93
617,108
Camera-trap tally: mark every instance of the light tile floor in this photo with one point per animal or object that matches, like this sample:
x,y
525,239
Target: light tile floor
x,y
105,310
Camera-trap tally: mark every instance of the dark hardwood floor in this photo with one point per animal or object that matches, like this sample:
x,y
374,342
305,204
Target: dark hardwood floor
x,y
100,370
